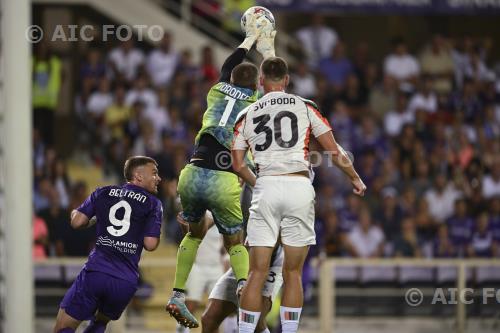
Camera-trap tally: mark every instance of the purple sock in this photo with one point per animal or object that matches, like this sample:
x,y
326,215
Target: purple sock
x,y
96,327
66,330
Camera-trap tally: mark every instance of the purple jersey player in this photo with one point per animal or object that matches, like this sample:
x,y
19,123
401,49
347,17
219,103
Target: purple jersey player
x,y
128,218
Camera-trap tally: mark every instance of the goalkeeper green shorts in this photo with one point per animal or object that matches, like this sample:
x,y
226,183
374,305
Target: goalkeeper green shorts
x,y
203,189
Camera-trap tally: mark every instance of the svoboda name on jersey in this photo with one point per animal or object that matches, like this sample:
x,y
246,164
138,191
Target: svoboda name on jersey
x,y
274,101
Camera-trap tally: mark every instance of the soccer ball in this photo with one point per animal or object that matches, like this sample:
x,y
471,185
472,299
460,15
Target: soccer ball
x,y
263,16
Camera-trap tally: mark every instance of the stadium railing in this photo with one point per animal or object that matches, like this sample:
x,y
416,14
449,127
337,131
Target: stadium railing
x,y
327,281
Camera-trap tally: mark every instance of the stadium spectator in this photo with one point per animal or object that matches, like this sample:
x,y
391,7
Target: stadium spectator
x,y
141,92
55,218
394,120
209,70
303,81
355,95
317,40
366,240
491,182
330,235
389,214
382,97
460,227
482,244
159,116
475,68
425,99
42,194
100,100
443,246
426,225
437,63
407,244
162,62
69,243
126,61
401,65
47,80
421,181
441,198
344,125
117,114
337,67
466,101
494,222
93,68
186,67
60,180
40,238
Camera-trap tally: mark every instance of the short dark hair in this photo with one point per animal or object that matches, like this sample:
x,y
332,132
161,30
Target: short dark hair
x,y
133,162
245,75
274,68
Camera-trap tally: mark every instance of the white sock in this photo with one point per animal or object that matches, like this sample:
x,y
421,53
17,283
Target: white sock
x,y
266,331
248,321
230,324
289,319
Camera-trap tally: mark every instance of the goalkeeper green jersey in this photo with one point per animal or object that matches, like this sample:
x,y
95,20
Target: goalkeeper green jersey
x,y
224,102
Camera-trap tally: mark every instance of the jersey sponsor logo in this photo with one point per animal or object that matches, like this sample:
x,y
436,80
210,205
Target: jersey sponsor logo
x,y
118,192
122,246
274,101
233,92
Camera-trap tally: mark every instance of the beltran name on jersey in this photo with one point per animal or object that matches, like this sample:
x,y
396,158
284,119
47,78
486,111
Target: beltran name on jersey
x,y
125,215
277,128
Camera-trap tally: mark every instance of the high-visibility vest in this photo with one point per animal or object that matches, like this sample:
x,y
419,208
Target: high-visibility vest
x,y
46,82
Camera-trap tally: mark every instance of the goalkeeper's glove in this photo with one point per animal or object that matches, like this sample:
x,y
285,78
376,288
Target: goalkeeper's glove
x,y
265,43
252,32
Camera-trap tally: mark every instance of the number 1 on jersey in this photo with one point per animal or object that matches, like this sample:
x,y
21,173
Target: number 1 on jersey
x,y
227,111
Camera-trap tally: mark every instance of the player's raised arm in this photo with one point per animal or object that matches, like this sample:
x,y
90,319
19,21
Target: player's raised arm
x,y
342,161
239,54
323,132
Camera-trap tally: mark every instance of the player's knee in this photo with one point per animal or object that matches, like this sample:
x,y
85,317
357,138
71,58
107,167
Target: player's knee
x,y
292,274
258,275
232,240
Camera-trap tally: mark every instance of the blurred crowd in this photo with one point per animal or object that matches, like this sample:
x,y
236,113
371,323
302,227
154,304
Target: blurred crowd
x,y
423,127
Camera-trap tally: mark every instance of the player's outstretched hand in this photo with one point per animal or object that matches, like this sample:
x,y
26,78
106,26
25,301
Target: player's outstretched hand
x,y
359,187
265,43
252,31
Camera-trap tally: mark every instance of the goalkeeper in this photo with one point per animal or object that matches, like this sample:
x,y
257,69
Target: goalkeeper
x,y
207,182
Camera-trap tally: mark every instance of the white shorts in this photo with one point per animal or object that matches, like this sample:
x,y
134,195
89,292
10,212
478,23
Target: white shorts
x,y
225,288
202,279
282,205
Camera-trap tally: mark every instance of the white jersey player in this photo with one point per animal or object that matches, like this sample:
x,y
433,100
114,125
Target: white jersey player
x,y
277,129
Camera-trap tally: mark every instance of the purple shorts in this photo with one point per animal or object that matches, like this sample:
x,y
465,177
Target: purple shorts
x,y
92,291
